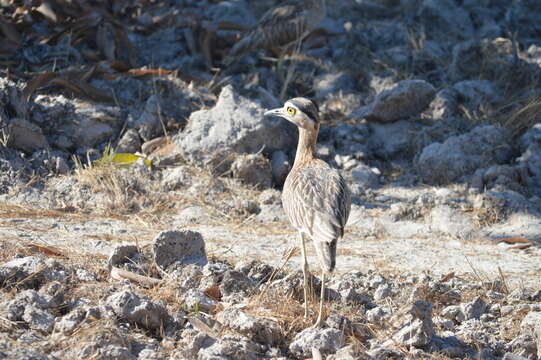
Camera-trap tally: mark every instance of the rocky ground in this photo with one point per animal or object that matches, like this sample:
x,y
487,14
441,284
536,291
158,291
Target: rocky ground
x,y
140,211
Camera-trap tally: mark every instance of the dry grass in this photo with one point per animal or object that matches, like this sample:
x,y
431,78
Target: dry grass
x,y
519,115
11,211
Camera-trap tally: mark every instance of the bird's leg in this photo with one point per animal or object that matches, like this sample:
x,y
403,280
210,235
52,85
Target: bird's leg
x,y
305,273
319,321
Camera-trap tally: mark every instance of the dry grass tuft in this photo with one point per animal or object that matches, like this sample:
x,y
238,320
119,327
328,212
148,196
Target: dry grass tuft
x,y
520,115
486,216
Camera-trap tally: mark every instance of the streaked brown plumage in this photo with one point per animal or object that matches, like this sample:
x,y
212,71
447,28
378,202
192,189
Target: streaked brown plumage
x,y
316,198
289,22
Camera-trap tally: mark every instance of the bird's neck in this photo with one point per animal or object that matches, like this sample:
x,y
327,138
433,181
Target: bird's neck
x,y
306,148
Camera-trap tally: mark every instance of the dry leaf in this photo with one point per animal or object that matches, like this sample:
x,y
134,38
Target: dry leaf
x,y
213,292
448,276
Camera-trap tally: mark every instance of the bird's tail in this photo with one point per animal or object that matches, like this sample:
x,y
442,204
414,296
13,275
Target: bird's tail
x,y
326,253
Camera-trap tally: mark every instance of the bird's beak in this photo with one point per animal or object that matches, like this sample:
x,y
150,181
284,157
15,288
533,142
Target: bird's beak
x,y
275,112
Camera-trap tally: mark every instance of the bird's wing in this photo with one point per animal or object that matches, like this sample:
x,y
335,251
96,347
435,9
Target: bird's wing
x,y
282,13
279,26
317,201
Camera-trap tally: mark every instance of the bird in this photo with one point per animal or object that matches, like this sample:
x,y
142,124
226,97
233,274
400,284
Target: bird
x,y
287,23
315,197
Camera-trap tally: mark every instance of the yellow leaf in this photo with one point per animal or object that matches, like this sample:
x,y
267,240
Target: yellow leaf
x,y
127,159
122,159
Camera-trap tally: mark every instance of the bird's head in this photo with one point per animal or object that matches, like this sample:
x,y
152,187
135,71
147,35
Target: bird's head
x,y
300,111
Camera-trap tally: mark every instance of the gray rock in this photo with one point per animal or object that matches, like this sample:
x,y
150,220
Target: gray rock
x,y
123,254
260,330
397,55
234,125
256,270
346,162
444,105
176,177
530,160
232,11
531,324
395,140
253,169
327,341
271,213
231,347
270,197
375,315
459,156
380,84
216,268
365,176
475,308
192,341
31,271
293,285
150,354
280,167
511,356
148,124
454,313
445,18
504,175
418,330
383,353
106,351
91,124
16,307
190,276
85,275
407,98
525,345
383,291
450,221
235,282
38,319
336,321
348,352
194,298
331,83
489,57
25,136
174,249
70,321
192,215
354,296
476,92
137,309
130,142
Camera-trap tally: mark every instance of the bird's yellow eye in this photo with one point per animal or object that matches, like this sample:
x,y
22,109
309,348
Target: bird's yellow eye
x,y
291,111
